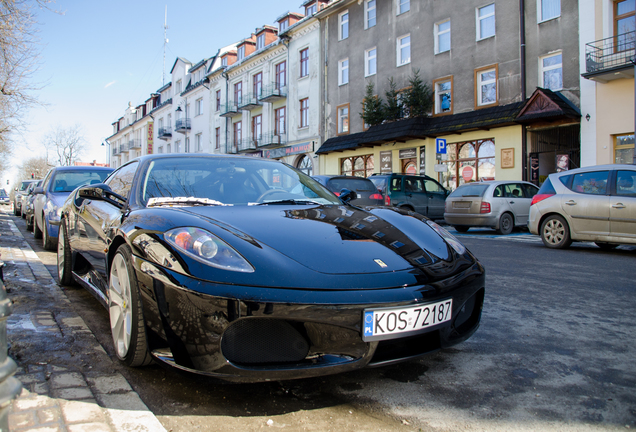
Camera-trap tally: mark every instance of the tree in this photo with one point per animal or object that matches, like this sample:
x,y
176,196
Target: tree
x,y
67,144
418,98
36,167
372,107
393,106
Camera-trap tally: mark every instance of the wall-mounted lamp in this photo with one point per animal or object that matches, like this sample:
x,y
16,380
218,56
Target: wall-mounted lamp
x,y
179,109
587,117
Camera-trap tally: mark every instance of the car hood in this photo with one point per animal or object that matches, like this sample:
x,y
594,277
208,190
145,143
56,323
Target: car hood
x,y
335,239
56,200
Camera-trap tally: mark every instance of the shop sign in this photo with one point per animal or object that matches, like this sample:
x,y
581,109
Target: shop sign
x,y
408,153
307,147
149,139
386,162
422,160
467,173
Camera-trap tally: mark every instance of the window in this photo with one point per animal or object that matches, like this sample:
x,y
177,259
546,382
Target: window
x,y
551,68
177,146
593,183
187,145
343,72
624,24
485,22
305,165
359,166
260,41
177,87
281,75
624,149
197,142
343,28
403,6
474,160
218,100
443,88
369,14
257,127
238,92
549,9
238,132
241,53
404,50
310,10
257,84
343,119
121,182
279,121
304,112
224,61
442,37
626,183
370,62
198,107
168,149
304,62
485,86
282,26
217,138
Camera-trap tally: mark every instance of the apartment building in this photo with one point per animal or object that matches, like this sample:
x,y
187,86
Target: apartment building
x,y
607,32
505,87
130,133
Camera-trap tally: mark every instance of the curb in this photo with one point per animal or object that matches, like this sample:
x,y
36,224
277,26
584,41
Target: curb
x,y
60,392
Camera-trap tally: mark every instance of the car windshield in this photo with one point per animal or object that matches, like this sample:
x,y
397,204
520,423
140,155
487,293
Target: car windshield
x,y
470,190
3,193
359,185
229,181
68,181
24,185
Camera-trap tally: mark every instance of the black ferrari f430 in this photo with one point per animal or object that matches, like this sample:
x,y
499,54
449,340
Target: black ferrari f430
x,y
246,269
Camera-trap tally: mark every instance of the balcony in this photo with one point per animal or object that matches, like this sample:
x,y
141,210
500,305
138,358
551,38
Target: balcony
x,y
134,144
249,102
116,150
273,139
230,109
231,147
610,58
273,92
249,144
183,125
164,133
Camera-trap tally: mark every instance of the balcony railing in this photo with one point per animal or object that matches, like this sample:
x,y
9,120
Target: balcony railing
x,y
231,147
134,144
229,109
610,53
273,92
183,125
249,102
164,133
116,150
249,144
273,139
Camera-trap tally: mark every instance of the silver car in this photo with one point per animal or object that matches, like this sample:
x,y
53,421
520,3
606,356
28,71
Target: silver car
x,y
596,203
497,204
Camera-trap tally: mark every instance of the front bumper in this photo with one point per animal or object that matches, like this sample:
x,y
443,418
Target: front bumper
x,y
251,334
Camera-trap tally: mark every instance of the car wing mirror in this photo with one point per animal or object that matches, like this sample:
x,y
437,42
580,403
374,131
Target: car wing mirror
x,y
38,190
347,195
101,192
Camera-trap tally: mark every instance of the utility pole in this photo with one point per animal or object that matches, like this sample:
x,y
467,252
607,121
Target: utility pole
x,y
165,42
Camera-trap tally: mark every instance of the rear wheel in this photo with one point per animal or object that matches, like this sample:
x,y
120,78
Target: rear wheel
x,y
64,257
555,233
48,242
461,228
126,314
16,211
606,246
506,224
29,225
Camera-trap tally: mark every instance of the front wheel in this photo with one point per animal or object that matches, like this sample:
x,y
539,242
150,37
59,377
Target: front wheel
x,y
461,228
48,242
505,224
126,314
64,262
555,233
37,232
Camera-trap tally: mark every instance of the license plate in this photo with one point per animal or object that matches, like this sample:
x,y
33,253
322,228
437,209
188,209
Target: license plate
x,y
461,204
392,323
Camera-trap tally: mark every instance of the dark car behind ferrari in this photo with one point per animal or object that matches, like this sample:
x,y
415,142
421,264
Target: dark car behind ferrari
x,y
246,269
366,193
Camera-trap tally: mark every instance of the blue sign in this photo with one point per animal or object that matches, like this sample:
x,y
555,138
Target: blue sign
x,y
440,145
368,323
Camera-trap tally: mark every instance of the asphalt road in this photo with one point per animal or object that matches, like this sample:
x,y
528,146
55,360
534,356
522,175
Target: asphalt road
x,y
555,351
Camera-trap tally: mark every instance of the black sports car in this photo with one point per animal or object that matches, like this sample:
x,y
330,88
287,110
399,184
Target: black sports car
x,y
246,269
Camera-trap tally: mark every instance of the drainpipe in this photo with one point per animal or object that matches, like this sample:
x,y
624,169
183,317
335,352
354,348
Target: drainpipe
x,y
522,42
224,75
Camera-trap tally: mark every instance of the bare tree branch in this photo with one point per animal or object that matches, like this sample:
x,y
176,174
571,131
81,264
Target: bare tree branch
x,y
67,143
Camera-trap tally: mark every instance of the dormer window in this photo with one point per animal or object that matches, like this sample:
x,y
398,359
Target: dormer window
x,y
282,25
310,10
241,53
260,41
224,61
177,87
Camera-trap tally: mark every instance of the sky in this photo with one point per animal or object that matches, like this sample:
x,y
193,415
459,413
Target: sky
x,y
96,56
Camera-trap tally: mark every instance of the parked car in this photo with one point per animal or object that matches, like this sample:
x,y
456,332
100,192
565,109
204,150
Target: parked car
x,y
28,204
56,187
4,198
421,194
496,204
366,192
246,269
19,193
596,203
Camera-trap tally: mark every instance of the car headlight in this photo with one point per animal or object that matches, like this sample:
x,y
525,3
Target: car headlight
x,y
207,248
450,239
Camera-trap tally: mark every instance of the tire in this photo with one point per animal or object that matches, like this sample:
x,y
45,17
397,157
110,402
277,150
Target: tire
x,y
461,228
23,215
126,313
606,246
48,242
16,212
37,232
64,260
29,225
506,224
555,233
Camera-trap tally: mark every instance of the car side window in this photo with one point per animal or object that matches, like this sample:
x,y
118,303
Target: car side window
x,y
626,183
47,180
433,187
413,185
499,192
121,180
530,190
513,190
593,183
396,184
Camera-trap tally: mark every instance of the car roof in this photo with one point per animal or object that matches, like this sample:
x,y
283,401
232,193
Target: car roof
x,y
81,168
329,177
595,168
495,182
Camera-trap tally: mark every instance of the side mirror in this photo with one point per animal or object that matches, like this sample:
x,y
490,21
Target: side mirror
x,y
38,190
101,192
347,195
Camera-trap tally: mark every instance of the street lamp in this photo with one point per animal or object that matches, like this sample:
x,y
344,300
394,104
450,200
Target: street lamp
x,y
106,144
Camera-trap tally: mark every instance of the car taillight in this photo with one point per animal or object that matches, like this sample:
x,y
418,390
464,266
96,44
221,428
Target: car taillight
x,y
387,200
540,197
376,196
485,207
337,194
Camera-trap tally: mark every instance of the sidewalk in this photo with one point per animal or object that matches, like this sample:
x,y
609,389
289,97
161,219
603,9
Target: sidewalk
x,y
48,342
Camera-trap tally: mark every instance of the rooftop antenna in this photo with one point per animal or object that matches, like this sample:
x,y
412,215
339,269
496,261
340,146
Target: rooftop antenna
x,y
165,42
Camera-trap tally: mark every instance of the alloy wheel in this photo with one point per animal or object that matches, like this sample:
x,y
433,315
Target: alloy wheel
x,y
60,255
119,306
554,231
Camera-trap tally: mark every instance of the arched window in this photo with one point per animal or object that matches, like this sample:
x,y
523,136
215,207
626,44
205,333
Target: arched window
x,y
469,161
359,166
305,165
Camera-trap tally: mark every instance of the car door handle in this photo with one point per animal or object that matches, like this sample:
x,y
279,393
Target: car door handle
x,y
511,202
571,202
618,206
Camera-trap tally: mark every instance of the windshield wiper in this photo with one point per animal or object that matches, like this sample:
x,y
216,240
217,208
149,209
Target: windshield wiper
x,y
182,202
290,201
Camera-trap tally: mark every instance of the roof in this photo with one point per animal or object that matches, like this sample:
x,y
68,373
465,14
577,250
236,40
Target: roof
x,y
186,61
544,104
